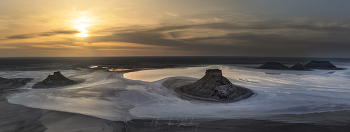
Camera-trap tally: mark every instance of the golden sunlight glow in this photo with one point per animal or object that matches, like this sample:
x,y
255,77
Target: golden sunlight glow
x,y
82,29
81,25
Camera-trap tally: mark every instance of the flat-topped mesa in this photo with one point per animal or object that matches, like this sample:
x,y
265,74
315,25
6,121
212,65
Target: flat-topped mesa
x,y
55,80
325,65
215,87
274,66
213,73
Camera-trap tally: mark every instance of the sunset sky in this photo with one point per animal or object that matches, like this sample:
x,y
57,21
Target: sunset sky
x,y
84,28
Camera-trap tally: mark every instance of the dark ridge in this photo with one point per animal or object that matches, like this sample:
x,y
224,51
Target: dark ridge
x,y
298,66
274,65
325,65
215,87
11,83
55,80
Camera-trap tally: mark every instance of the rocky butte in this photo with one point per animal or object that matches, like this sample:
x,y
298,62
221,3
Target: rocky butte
x,y
214,87
55,80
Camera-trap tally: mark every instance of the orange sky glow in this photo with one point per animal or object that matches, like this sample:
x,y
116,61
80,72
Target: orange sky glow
x,y
83,28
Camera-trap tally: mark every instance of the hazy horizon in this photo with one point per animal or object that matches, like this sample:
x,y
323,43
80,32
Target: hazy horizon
x,y
174,56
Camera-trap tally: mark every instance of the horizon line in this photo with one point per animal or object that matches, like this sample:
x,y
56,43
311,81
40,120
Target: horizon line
x,y
177,56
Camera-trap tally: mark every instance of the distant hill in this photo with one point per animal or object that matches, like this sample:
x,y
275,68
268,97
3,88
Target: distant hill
x,y
325,65
274,65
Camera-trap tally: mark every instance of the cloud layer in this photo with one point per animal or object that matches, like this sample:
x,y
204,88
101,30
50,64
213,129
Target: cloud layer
x,y
176,28
51,33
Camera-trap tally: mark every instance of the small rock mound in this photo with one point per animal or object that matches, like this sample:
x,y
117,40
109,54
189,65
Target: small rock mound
x,y
274,65
325,65
55,80
213,86
11,83
298,66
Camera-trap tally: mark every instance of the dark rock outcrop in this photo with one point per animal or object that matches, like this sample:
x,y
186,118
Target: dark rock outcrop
x,y
274,66
213,86
55,80
6,83
325,65
298,66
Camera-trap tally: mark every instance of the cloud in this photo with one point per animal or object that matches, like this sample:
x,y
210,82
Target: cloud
x,y
21,36
171,14
251,38
257,38
34,35
8,47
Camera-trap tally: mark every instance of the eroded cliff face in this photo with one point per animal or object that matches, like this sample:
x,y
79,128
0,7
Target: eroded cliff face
x,y
214,86
55,80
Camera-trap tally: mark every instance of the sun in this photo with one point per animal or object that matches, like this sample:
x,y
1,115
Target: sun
x,y
81,24
82,29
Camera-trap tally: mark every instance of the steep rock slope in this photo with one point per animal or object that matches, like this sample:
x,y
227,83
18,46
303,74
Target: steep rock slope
x,y
55,80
